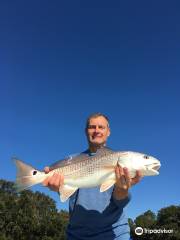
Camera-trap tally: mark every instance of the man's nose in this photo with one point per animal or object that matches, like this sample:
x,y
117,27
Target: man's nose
x,y
96,128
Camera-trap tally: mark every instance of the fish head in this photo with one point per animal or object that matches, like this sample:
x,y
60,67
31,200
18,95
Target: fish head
x,y
151,165
134,161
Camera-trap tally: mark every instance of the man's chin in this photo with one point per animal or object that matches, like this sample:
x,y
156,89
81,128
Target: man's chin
x,y
97,144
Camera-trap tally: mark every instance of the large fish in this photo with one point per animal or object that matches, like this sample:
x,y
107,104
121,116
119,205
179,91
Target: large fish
x,y
84,171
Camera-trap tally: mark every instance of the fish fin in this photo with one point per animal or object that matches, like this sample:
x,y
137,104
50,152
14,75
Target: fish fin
x,y
66,191
107,184
27,176
123,153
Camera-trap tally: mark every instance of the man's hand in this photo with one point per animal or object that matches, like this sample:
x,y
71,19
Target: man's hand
x,y
124,182
53,182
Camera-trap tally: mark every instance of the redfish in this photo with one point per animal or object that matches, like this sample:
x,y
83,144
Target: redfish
x,y
84,171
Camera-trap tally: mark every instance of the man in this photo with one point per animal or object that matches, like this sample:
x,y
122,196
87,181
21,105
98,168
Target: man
x,y
95,215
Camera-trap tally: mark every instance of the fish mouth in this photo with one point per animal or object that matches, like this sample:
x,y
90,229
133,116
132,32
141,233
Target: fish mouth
x,y
152,169
155,168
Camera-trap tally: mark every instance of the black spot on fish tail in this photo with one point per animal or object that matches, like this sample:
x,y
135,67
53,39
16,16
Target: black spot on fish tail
x,y
34,172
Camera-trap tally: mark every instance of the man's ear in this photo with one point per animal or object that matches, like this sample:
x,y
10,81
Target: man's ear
x,y
109,132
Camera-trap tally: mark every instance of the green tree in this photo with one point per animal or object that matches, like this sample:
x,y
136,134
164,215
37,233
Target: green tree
x,y
148,219
167,218
29,215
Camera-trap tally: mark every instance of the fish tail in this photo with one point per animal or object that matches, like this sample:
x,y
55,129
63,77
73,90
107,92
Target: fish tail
x,y
27,176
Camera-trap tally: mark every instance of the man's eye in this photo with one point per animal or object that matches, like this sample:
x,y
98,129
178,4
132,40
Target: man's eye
x,y
94,127
91,126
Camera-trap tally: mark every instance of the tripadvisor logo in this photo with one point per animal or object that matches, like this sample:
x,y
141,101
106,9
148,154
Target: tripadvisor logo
x,y
139,231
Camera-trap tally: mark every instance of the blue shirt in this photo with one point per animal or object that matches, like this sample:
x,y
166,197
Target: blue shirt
x,y
97,215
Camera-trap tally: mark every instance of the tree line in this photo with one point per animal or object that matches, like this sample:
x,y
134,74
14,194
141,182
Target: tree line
x,y
164,225
33,216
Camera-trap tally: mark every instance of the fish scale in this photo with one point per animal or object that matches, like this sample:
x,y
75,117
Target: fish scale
x,y
89,167
92,166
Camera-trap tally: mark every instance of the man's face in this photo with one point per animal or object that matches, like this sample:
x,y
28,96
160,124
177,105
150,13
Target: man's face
x,y
97,131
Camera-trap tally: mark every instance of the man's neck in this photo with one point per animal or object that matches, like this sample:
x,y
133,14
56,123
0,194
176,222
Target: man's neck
x,y
94,148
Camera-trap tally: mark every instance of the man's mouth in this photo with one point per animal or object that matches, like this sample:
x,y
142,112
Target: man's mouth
x,y
96,136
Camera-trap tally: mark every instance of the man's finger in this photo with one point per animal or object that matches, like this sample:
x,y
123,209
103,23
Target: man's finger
x,y
62,180
139,174
137,178
121,170
127,177
123,182
117,172
57,180
46,170
45,182
122,179
53,179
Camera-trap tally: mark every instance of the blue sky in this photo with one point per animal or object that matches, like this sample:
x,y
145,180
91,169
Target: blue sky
x,y
62,60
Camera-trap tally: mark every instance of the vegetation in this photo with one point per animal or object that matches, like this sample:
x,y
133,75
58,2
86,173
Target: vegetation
x,y
34,216
166,220
29,216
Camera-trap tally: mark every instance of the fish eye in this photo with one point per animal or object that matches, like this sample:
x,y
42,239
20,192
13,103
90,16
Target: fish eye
x,y
146,157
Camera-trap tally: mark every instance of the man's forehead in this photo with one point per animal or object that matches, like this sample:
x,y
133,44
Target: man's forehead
x,y
99,119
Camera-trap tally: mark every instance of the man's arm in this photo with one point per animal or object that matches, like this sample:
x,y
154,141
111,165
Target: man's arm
x,y
124,182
